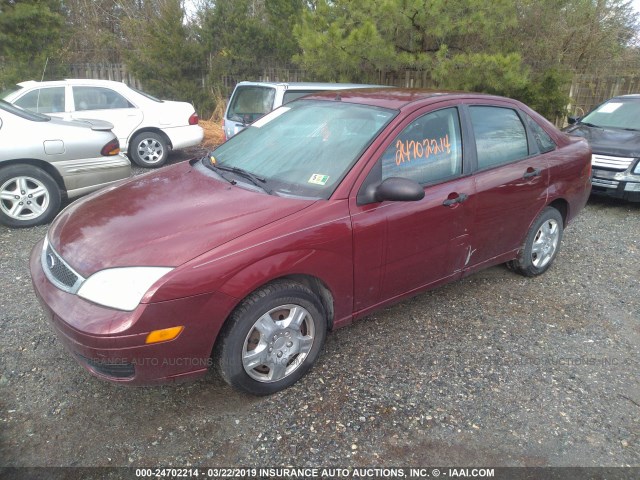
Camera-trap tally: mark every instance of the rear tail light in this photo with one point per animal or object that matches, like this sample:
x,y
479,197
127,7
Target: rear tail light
x,y
193,119
111,148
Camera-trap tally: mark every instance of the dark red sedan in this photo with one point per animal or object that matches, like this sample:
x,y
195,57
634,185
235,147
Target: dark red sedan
x,y
321,212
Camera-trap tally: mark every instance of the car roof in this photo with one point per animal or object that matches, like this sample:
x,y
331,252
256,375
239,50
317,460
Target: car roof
x,y
309,85
397,98
71,81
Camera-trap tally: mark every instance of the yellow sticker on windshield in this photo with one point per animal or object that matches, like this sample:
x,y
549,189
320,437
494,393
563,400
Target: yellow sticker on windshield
x,y
318,179
212,159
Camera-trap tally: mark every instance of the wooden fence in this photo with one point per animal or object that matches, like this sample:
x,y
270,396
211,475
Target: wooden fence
x,y
586,91
117,72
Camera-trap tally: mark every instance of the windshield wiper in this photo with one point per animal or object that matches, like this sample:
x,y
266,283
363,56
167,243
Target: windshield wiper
x,y
590,125
218,170
253,178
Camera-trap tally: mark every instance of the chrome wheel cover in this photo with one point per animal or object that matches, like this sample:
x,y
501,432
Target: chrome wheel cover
x,y
545,243
23,198
278,343
150,150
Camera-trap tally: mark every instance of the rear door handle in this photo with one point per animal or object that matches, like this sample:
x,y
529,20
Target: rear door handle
x,y
455,198
531,172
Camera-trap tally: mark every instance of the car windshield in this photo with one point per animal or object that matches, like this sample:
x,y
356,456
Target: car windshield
x,y
250,103
305,148
26,114
10,90
616,113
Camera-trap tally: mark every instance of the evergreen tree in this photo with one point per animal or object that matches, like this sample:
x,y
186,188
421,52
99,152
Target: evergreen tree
x,y
242,36
31,32
163,54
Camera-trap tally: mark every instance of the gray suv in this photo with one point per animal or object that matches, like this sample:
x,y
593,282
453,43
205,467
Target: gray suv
x,y
251,100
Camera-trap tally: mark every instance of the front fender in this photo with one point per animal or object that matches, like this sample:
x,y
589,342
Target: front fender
x,y
327,266
315,243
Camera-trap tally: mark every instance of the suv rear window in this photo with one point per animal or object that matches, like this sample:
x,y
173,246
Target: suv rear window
x,y
291,95
250,103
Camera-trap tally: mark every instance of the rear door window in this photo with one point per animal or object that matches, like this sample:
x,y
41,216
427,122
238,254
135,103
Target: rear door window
x,y
98,98
500,136
43,100
543,140
249,103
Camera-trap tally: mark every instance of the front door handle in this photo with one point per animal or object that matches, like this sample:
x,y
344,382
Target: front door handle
x,y
531,172
455,198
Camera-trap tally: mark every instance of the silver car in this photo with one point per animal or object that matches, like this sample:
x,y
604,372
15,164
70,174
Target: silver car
x,y
147,128
44,160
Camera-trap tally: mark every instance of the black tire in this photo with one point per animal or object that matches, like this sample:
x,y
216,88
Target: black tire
x,y
36,196
541,244
149,149
286,351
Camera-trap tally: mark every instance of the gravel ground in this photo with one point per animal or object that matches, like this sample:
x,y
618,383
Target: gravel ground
x,y
494,370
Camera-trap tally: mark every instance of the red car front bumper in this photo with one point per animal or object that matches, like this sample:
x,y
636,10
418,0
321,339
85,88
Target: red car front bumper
x,y
111,344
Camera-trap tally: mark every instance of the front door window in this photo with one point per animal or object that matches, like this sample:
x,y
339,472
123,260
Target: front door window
x,y
429,150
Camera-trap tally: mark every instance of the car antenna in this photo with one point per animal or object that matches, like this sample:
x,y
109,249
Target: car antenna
x,y
44,69
41,80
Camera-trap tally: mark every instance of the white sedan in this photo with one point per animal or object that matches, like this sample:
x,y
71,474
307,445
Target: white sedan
x,y
146,127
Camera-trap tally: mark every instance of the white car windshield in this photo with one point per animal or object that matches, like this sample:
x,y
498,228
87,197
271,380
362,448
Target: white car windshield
x,y
26,114
5,93
305,148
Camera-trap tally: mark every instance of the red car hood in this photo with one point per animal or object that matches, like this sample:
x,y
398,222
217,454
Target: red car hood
x,y
161,219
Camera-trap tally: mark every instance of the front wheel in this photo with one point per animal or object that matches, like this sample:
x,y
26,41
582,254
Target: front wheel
x,y
28,196
541,244
149,149
272,339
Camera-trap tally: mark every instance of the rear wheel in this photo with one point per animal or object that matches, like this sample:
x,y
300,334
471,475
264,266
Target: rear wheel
x,y
272,339
149,149
541,244
28,196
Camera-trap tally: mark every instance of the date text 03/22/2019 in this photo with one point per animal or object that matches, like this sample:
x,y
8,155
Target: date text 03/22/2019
x,y
362,472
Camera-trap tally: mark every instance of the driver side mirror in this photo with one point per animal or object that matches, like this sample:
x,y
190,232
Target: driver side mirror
x,y
573,120
392,189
